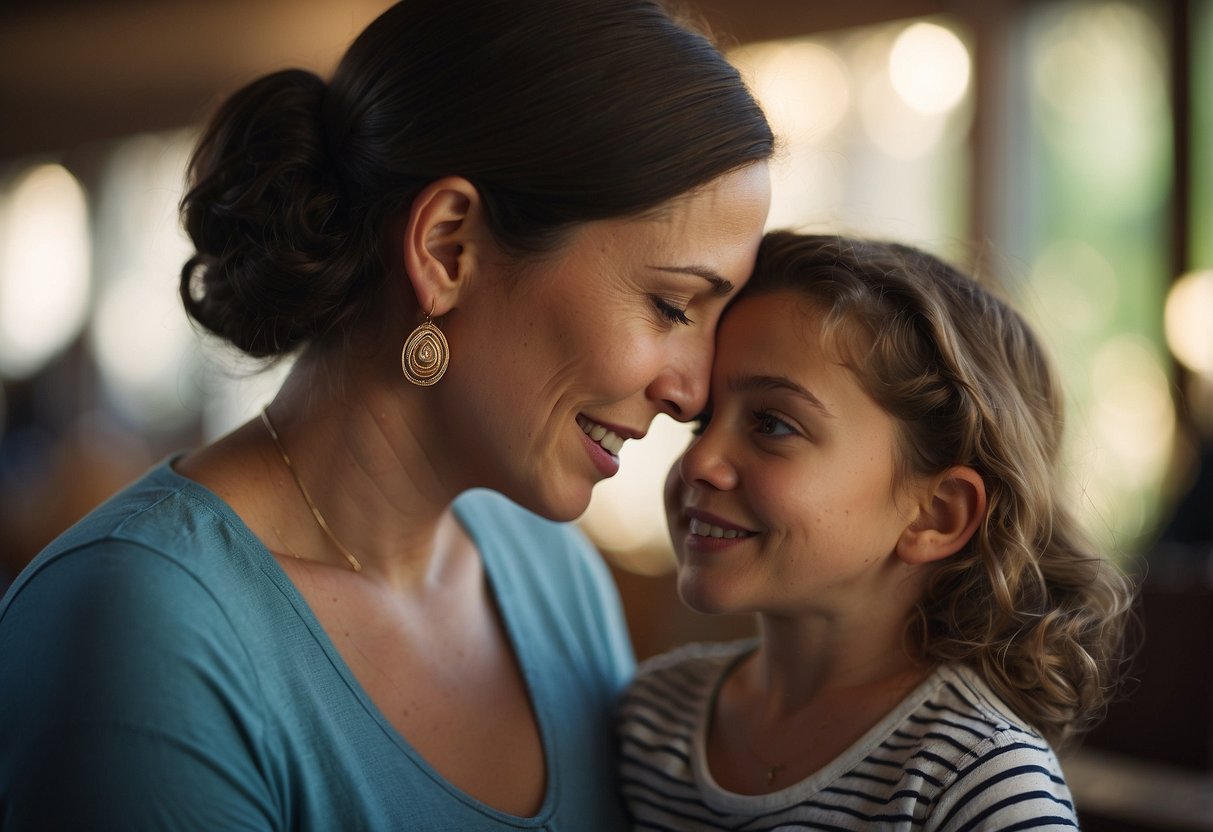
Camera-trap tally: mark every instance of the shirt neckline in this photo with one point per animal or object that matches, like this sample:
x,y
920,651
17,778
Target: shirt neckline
x,y
723,800
489,555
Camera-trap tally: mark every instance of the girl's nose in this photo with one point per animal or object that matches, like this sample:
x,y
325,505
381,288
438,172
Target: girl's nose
x,y
706,463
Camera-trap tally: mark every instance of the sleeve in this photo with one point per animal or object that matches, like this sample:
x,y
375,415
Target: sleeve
x,y
1014,782
127,701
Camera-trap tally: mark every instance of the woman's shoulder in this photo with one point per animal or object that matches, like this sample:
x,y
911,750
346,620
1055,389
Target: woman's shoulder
x,y
158,526
160,555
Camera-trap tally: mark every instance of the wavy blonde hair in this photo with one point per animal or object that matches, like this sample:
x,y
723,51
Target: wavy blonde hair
x,y
1028,602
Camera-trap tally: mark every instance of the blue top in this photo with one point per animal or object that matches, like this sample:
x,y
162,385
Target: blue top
x,y
158,670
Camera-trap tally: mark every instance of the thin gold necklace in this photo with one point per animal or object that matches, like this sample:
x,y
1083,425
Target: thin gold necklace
x,y
772,770
324,526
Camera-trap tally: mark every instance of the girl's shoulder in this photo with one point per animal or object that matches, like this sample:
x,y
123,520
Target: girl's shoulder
x,y
686,676
695,658
991,765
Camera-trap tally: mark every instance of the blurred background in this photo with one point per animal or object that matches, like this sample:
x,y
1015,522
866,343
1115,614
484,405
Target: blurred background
x,y
1063,146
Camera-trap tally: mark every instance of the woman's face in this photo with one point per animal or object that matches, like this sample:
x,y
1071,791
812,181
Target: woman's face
x,y
553,368
785,503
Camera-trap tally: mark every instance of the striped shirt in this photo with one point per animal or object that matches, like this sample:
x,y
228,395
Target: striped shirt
x,y
951,756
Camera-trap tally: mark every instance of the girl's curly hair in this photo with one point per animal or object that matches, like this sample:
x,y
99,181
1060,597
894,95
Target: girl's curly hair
x,y
1028,602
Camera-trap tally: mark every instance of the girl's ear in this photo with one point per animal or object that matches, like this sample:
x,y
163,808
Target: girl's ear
x,y
952,509
442,242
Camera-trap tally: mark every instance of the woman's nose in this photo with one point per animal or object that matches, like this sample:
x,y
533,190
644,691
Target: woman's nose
x,y
681,389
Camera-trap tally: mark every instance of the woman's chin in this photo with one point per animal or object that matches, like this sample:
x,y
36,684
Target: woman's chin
x,y
562,505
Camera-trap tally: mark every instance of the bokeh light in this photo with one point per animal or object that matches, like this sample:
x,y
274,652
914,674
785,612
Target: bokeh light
x,y
802,85
1076,286
929,68
44,268
1099,73
1189,321
142,342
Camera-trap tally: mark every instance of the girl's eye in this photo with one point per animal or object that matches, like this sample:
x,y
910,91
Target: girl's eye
x,y
670,312
700,423
769,424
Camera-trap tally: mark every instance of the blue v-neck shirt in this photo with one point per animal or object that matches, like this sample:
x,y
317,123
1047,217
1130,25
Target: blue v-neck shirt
x,y
158,670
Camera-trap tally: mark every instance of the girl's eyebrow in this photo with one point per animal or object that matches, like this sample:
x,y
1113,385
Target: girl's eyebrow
x,y
720,286
759,384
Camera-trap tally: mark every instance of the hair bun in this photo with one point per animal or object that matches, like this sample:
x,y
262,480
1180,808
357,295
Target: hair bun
x,y
265,215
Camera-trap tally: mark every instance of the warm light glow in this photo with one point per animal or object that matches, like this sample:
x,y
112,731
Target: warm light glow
x,y
44,269
1129,437
141,339
802,86
897,129
929,68
1132,416
238,387
1189,321
626,514
1076,286
1100,72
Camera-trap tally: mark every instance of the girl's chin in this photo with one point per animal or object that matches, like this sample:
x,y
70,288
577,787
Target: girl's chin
x,y
698,594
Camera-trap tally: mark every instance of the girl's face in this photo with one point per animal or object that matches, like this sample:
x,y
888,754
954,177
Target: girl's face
x,y
554,368
785,503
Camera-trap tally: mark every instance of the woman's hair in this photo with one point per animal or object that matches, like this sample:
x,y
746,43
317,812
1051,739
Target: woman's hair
x,y
1028,603
558,111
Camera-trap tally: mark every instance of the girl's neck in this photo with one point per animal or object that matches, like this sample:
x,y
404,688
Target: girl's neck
x,y
797,703
801,660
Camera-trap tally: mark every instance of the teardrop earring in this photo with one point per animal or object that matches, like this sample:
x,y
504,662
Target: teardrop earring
x,y
426,353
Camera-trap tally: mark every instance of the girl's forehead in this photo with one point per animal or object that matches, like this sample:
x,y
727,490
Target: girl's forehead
x,y
783,315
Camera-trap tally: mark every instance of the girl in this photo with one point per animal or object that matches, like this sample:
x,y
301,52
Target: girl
x,y
876,482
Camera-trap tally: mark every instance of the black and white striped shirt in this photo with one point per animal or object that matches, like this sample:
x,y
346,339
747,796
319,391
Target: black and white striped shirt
x,y
952,756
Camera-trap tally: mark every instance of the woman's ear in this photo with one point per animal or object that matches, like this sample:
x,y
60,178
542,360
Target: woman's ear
x,y
949,514
441,242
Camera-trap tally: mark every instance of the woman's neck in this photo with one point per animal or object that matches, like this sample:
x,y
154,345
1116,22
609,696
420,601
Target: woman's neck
x,y
369,462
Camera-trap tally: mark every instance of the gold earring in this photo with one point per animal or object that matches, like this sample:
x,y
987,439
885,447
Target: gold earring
x,y
426,353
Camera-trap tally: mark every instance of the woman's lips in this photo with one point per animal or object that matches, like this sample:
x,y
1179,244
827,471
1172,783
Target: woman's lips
x,y
610,441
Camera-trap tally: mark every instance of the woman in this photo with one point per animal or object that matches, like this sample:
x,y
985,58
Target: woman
x,y
305,624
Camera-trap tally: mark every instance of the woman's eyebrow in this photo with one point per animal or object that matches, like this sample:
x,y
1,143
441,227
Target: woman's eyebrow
x,y
752,384
720,286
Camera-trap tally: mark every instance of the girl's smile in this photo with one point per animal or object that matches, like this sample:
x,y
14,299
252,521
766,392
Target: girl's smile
x,y
786,500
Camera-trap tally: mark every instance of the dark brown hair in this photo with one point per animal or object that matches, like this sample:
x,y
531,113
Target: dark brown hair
x,y
558,111
1028,602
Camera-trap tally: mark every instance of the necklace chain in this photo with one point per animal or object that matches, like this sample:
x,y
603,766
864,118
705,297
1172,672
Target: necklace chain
x,y
772,769
320,521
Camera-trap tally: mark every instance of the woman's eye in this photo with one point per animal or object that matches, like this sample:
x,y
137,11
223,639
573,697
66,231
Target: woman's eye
x,y
769,424
670,312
